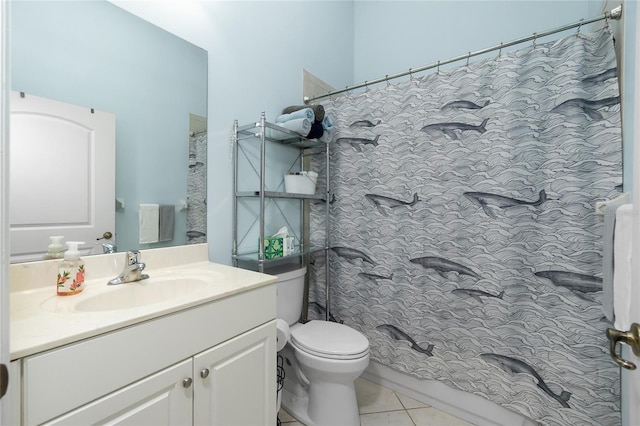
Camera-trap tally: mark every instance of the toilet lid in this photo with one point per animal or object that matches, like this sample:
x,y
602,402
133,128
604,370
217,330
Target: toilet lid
x,y
330,340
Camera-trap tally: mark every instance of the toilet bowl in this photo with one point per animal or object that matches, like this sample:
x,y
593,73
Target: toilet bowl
x,y
322,360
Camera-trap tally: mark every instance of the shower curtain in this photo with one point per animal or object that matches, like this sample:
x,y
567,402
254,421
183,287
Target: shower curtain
x,y
464,239
197,190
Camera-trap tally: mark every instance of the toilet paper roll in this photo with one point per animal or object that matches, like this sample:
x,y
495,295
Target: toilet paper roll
x,y
282,336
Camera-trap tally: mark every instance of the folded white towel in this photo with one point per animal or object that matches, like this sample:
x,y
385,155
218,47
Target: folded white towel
x,y
302,113
622,267
149,223
301,126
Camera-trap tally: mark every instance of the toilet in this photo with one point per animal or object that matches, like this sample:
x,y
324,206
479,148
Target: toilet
x,y
321,360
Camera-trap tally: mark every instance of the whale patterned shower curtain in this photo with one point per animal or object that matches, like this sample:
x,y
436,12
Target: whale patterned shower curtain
x,y
464,239
197,190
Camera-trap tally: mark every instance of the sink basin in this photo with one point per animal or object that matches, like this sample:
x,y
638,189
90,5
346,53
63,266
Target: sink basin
x,y
142,293
154,290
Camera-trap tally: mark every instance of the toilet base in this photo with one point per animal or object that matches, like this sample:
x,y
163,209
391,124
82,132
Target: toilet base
x,y
296,406
338,406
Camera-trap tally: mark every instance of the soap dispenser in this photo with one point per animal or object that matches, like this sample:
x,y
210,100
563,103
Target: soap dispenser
x,y
71,271
55,249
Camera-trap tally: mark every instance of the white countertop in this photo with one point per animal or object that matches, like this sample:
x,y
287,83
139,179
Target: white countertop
x,y
41,320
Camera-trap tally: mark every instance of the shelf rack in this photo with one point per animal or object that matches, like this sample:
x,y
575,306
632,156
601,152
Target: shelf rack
x,y
258,133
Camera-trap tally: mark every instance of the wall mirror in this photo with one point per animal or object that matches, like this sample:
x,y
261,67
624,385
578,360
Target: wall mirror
x,y
97,55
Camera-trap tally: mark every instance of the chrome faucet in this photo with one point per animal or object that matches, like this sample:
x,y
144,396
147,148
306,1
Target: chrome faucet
x,y
132,270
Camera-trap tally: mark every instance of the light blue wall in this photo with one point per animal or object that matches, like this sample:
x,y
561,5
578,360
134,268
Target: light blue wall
x,y
257,56
418,33
94,54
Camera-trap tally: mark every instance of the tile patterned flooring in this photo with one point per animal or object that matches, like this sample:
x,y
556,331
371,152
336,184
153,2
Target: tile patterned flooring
x,y
380,406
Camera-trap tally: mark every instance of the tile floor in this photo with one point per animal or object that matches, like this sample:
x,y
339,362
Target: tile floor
x,y
380,406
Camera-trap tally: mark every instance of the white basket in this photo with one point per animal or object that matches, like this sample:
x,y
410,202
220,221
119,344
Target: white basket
x,y
300,183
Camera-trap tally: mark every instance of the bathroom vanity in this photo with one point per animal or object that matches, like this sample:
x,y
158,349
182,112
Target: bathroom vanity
x,y
193,344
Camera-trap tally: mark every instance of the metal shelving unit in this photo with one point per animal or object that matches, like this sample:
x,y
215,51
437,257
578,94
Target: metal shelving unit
x,y
257,133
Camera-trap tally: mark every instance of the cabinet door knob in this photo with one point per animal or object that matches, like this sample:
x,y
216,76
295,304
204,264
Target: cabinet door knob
x,y
187,382
204,373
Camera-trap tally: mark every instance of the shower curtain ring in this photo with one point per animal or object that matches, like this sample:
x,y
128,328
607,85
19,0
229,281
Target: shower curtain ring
x,y
438,70
535,37
500,51
386,77
366,87
468,56
410,75
579,27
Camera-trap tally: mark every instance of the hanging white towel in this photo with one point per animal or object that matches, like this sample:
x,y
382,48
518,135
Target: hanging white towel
x,y
622,266
149,223
607,256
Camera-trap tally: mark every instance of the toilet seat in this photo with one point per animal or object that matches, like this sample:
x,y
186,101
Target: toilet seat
x,y
331,340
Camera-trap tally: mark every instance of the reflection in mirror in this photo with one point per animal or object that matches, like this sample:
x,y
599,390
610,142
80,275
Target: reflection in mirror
x,y
94,54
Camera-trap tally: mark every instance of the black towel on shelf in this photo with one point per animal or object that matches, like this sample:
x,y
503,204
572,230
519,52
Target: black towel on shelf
x,y
318,110
316,130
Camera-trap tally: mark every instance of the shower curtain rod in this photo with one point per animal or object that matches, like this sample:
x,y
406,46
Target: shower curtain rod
x,y
615,13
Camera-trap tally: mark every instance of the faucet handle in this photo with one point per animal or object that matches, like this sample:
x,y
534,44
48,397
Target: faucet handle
x,y
133,257
109,248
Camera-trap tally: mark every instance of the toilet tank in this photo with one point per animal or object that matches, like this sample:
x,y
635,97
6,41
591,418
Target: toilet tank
x,y
290,294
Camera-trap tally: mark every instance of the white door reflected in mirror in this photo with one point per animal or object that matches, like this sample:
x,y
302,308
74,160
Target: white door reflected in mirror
x,y
62,178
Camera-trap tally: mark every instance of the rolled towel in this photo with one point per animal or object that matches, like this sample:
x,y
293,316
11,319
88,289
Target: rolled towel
x,y
301,126
318,110
301,113
316,130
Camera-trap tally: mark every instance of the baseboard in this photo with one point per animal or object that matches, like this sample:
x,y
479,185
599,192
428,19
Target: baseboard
x,y
464,405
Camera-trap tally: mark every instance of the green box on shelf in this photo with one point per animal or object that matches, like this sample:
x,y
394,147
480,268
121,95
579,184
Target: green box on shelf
x,y
278,247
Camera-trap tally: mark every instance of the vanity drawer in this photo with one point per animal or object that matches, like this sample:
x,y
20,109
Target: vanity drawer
x,y
59,380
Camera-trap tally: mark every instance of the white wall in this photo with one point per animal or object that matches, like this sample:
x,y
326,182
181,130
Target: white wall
x,y
257,50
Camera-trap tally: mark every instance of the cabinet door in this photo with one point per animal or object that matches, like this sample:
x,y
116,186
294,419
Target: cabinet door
x,y
13,416
160,399
235,382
